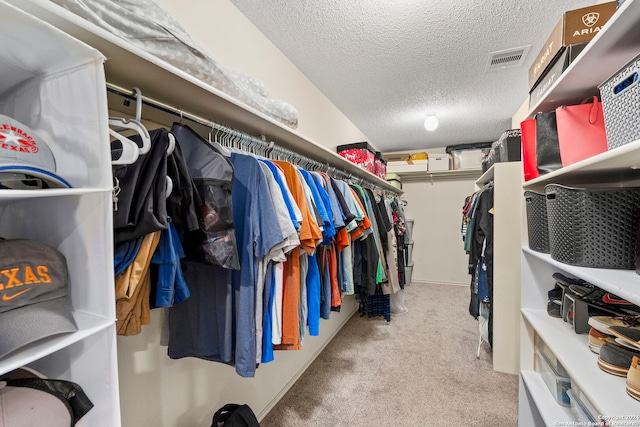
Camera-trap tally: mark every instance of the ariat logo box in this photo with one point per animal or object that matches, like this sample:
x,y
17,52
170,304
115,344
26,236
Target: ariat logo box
x,y
575,26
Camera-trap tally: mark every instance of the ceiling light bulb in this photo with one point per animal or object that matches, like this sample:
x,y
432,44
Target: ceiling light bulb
x,y
431,123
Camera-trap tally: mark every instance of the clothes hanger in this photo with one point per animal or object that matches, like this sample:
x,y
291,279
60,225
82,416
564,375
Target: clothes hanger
x,y
222,150
134,124
169,187
130,150
172,144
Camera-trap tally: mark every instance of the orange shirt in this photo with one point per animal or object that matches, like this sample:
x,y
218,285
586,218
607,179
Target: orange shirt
x,y
309,234
336,300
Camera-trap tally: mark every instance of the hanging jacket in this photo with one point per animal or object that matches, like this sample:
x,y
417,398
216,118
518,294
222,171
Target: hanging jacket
x,y
141,206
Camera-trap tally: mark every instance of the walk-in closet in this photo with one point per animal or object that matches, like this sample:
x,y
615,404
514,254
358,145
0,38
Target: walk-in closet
x,y
319,213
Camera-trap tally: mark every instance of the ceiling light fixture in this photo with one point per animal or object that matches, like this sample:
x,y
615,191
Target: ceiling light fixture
x,y
431,123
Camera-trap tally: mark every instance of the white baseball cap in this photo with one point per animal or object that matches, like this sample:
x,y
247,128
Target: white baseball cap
x,y
22,152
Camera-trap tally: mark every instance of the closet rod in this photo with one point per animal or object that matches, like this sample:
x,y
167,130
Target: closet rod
x,y
285,152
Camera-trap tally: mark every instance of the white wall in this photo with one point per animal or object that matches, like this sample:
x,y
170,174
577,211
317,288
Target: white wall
x,y
160,392
438,252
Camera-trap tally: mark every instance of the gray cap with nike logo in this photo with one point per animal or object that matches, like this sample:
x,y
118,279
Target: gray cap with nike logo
x,y
33,294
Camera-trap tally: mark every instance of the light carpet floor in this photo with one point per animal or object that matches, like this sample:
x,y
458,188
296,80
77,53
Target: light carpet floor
x,y
420,369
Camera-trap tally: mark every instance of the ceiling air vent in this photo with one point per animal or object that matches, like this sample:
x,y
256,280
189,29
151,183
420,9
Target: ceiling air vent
x,y
509,58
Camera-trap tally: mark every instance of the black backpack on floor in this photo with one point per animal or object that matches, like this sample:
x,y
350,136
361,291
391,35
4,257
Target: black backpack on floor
x,y
234,415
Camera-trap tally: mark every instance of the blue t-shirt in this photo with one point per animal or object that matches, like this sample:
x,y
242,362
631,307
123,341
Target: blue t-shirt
x,y
328,230
257,231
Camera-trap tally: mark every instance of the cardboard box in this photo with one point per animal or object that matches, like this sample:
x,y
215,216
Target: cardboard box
x,y
553,72
395,180
575,26
360,153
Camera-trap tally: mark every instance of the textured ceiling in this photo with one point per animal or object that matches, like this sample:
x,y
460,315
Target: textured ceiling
x,y
385,63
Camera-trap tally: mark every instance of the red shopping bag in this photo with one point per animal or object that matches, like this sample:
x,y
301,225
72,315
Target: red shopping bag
x,y
581,132
528,135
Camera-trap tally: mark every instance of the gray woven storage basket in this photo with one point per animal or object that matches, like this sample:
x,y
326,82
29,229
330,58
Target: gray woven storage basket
x,y
621,105
593,227
537,226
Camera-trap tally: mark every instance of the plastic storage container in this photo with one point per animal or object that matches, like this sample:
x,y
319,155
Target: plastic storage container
x,y
537,225
621,105
557,384
409,223
593,227
582,408
467,159
439,162
410,251
544,350
408,272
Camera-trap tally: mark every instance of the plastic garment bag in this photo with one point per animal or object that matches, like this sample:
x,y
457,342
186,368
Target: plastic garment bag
x,y
212,175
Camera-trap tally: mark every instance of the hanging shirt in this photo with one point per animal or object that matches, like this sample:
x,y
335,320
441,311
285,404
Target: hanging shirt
x,y
292,207
267,333
202,326
257,232
309,234
321,200
338,217
314,216
170,287
276,306
276,254
351,204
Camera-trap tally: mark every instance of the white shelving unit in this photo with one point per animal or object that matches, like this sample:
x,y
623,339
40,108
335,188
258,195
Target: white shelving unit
x,y
433,176
616,44
507,181
54,84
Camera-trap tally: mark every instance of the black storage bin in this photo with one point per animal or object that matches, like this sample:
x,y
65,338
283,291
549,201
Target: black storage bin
x,y
485,163
537,225
510,146
593,227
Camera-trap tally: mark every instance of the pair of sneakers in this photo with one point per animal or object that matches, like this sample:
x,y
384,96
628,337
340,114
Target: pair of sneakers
x,y
605,329
623,362
619,353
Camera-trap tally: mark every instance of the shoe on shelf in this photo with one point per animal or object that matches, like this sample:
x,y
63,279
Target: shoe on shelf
x,y
601,323
630,335
615,300
615,359
554,305
595,296
597,338
563,280
633,378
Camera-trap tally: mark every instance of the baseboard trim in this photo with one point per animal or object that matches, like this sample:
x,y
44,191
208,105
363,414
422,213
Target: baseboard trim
x,y
297,376
431,282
